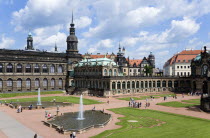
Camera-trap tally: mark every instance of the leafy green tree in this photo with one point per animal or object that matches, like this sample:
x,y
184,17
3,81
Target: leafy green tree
x,y
148,70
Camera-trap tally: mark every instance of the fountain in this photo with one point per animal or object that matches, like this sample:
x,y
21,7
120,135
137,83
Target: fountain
x,y
39,98
75,121
80,113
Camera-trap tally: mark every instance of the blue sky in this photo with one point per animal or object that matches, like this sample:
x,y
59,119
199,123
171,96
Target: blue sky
x,y
164,27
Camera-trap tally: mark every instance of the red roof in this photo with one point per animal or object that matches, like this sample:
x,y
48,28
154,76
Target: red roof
x,y
183,57
137,61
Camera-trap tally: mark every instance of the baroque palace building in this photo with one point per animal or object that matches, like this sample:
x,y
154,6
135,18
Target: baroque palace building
x,y
29,69
103,77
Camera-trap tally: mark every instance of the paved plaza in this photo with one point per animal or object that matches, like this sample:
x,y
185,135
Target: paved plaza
x,y
29,122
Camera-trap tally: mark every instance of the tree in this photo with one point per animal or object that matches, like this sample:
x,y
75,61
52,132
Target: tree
x,y
148,70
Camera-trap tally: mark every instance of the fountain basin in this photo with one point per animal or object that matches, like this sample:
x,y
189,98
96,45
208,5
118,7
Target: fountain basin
x,y
68,122
25,105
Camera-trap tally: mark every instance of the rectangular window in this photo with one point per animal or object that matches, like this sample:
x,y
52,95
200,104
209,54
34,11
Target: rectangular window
x,y
188,73
181,74
177,73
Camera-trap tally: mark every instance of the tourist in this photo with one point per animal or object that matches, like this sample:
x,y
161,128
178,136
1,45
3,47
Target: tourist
x,y
129,104
35,136
94,108
30,107
74,134
49,116
54,100
108,101
182,95
21,109
71,135
140,104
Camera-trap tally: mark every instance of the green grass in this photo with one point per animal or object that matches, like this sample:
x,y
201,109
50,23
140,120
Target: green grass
x,y
176,104
162,95
144,97
171,125
69,99
7,95
194,101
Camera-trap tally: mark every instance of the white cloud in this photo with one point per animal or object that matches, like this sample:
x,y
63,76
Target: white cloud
x,y
6,42
82,22
101,46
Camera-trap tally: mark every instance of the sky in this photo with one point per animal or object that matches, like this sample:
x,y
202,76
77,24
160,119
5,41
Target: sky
x,y
163,27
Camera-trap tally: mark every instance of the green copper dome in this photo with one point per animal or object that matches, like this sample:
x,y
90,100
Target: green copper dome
x,y
97,62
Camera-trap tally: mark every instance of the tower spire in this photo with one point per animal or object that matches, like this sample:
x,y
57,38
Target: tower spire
x,y
72,18
56,49
119,47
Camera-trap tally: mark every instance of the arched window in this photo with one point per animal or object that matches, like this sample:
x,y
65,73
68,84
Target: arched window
x,y
176,84
52,82
118,85
36,82
19,68
158,84
146,84
1,68
150,84
123,85
154,84
45,82
110,72
113,85
44,68
60,82
9,68
164,83
36,68
115,72
1,83
19,83
60,69
142,84
169,83
9,83
128,85
52,69
28,83
28,68
133,84
137,84
105,72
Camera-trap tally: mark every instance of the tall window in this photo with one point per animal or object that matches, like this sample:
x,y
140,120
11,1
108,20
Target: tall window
x,y
9,83
1,68
52,83
28,68
60,70
19,68
113,86
9,68
128,85
123,85
28,83
44,82
36,82
52,69
1,83
115,72
36,68
105,72
60,82
44,68
118,85
19,83
110,72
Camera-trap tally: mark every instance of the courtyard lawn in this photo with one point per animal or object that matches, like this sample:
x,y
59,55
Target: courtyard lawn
x,y
176,104
148,97
69,99
168,95
7,95
156,124
194,101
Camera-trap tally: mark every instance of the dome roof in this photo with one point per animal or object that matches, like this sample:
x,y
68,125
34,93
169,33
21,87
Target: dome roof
x,y
72,38
198,57
151,55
